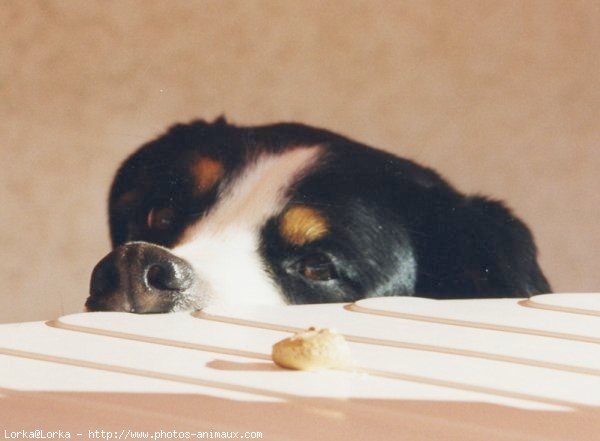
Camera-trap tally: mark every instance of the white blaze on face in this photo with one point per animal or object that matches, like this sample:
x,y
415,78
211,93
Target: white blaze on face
x,y
223,248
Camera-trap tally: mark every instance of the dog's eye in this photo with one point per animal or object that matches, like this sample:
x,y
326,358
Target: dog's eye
x,y
317,267
160,218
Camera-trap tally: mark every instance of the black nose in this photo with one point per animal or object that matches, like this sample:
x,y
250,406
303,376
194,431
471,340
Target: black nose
x,y
140,277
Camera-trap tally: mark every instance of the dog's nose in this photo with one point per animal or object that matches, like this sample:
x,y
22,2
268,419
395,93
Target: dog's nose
x,y
139,277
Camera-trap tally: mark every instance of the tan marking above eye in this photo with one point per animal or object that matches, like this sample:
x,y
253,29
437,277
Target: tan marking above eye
x,y
126,199
206,172
300,225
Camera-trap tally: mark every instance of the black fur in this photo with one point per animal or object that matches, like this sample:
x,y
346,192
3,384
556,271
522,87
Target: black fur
x,y
396,228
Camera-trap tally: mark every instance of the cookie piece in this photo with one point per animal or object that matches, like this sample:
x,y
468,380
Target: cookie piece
x,y
313,350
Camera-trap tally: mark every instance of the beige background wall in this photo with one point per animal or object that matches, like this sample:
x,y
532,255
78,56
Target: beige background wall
x,y
503,97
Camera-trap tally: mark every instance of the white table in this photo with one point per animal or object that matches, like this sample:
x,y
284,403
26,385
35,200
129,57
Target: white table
x,y
495,369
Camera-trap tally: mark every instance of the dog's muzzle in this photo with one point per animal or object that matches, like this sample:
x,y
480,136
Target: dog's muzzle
x,y
143,278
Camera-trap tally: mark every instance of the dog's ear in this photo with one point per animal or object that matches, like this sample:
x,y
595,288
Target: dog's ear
x,y
496,252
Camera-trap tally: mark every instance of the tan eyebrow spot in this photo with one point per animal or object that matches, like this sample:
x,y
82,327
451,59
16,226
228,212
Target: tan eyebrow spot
x,y
207,172
126,199
301,225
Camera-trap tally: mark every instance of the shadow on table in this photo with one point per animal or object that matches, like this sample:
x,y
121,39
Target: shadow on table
x,y
286,419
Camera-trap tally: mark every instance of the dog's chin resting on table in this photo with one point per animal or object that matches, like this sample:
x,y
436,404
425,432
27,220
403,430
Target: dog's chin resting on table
x,y
213,213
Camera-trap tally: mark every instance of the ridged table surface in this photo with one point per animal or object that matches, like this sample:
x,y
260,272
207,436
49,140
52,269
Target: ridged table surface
x,y
493,369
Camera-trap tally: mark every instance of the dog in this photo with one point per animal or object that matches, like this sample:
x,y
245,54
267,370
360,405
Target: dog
x,y
214,213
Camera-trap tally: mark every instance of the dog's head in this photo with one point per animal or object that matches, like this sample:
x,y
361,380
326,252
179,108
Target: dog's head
x,y
215,213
